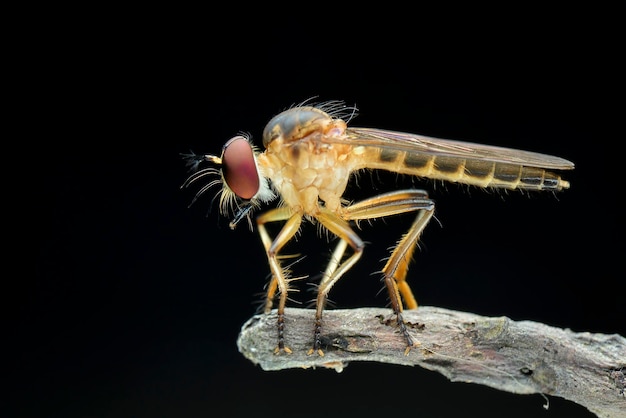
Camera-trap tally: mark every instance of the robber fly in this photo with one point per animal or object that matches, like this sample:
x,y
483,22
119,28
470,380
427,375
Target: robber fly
x,y
310,155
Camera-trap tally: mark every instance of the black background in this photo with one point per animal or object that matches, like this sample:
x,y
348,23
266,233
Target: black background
x,y
136,300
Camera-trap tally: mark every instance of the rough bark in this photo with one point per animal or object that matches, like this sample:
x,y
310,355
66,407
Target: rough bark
x,y
515,356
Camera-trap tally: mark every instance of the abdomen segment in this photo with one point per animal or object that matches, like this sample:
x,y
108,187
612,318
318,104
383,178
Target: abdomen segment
x,y
481,173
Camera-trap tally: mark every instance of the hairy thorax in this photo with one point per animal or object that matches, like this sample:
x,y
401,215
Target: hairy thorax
x,y
308,171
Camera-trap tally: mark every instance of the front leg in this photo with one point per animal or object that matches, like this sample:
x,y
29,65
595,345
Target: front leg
x,y
279,281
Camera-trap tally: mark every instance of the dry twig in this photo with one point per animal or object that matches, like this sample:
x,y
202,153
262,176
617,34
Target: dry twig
x,y
515,356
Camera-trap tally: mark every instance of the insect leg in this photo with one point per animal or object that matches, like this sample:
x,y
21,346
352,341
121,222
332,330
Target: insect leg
x,y
335,259
336,268
396,268
272,247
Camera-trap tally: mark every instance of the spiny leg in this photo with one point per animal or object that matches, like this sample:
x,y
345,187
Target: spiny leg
x,y
395,271
335,268
335,259
396,268
334,262
275,215
278,281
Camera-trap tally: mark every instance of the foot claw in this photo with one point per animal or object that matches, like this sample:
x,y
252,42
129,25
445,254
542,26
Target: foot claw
x,y
408,348
279,350
319,352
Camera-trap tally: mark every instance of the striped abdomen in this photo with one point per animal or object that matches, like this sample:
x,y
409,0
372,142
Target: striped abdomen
x,y
476,172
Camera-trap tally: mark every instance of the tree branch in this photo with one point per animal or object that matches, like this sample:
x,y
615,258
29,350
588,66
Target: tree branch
x,y
515,356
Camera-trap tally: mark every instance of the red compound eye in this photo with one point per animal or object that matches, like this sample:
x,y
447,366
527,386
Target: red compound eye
x,y
239,168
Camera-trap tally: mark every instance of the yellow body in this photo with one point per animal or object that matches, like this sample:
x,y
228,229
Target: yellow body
x,y
309,158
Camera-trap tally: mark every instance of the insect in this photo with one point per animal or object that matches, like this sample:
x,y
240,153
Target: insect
x,y
310,155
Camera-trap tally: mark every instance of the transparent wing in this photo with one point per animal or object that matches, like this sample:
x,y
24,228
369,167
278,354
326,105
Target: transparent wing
x,y
369,137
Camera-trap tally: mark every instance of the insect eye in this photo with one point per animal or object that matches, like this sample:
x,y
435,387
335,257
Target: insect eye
x,y
239,168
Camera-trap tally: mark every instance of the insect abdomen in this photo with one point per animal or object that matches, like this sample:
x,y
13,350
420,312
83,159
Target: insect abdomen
x,y
467,171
